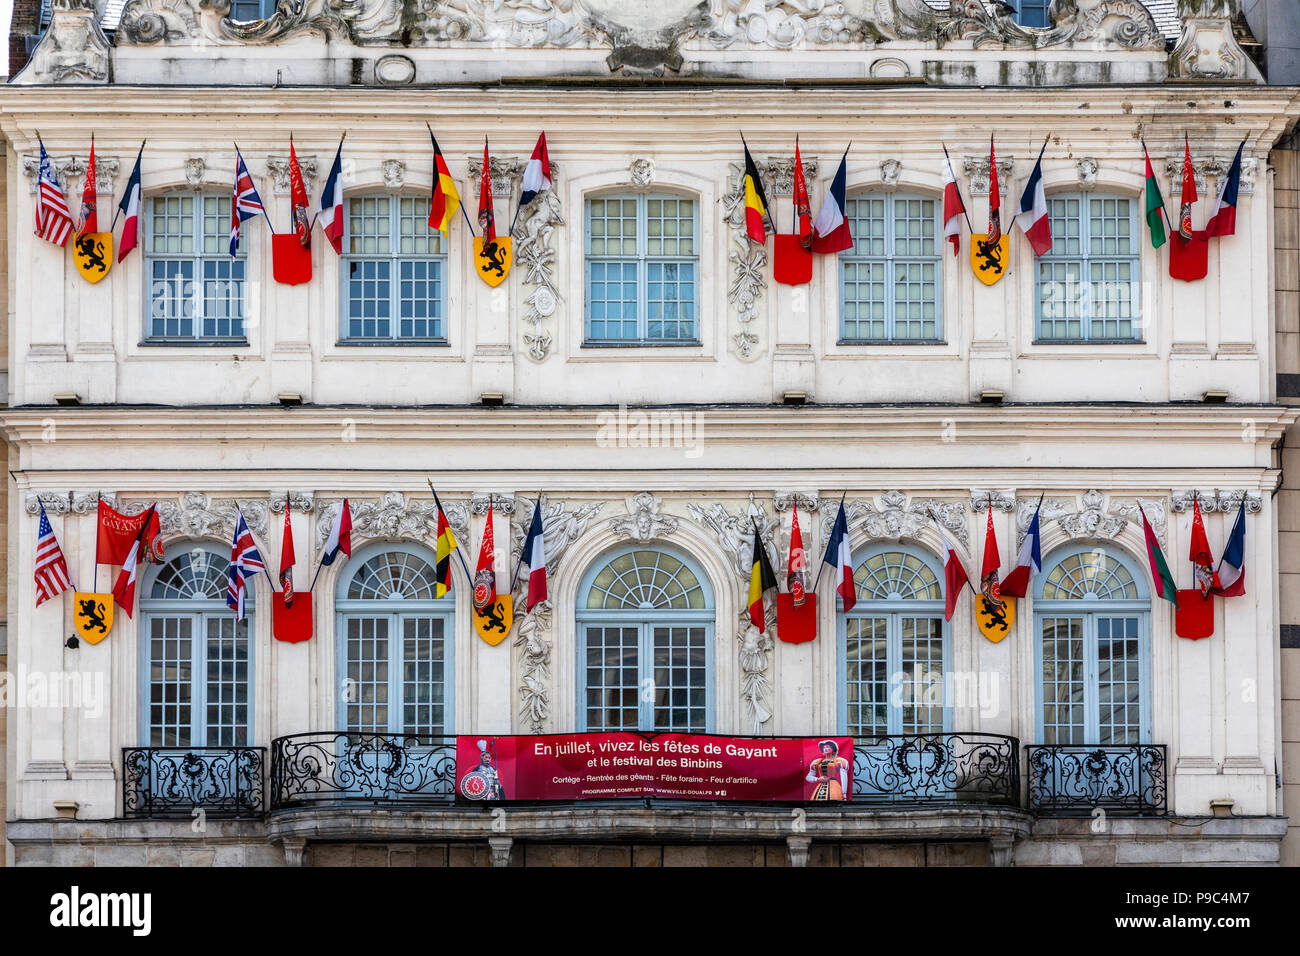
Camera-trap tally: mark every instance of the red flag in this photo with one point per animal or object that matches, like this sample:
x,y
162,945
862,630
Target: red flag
x,y
298,200
995,199
1201,556
992,562
797,564
486,218
955,578
124,588
802,205
89,196
1189,194
485,578
287,558
118,532
953,207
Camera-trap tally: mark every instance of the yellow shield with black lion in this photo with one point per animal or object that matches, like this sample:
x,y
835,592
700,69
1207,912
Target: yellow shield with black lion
x,y
988,260
492,259
92,615
93,254
493,621
995,617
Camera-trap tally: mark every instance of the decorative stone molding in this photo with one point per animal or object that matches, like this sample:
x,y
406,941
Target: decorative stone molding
x,y
1202,168
890,169
735,532
505,170
156,21
393,516
1219,167
394,70
755,651
291,18
784,501
977,171
1127,23
999,500
560,527
501,504
1091,517
641,172
70,171
1086,169
195,169
1207,48
196,515
778,174
73,48
278,167
394,171
535,254
748,266
643,522
1215,499
299,501
895,518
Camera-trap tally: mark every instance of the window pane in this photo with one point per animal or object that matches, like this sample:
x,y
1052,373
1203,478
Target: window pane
x,y
680,679
171,657
889,279
366,699
1063,716
867,676
612,683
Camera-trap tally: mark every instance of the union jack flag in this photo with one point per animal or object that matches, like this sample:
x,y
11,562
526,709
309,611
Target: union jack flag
x,y
247,203
51,569
53,221
244,557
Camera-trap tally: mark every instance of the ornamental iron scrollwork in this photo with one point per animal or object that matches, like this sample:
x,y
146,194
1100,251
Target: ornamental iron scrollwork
x,y
161,782
1078,779
346,767
922,769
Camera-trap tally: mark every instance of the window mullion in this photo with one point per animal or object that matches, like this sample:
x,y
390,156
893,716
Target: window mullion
x,y
890,318
643,267
198,682
395,266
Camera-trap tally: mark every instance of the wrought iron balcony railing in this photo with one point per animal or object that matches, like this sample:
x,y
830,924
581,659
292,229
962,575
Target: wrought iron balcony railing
x,y
412,769
925,769
1078,778
175,781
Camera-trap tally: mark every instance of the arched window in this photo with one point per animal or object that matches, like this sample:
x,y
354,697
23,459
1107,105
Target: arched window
x,y
196,660
894,646
195,289
394,270
1088,283
645,644
1091,614
395,644
642,269
890,278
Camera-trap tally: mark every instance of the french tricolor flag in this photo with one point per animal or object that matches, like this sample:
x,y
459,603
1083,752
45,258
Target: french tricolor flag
x,y
130,208
1028,562
331,203
1223,221
537,174
1032,217
1232,566
831,227
340,538
840,557
534,555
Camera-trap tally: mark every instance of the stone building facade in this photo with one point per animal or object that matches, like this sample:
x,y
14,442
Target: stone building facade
x,y
640,367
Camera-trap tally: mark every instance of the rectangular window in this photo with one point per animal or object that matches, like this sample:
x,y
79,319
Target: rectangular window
x,y
394,272
1087,285
196,290
1033,13
642,270
889,279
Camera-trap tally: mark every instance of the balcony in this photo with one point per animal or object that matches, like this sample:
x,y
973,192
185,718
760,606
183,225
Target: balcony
x,y
163,782
936,769
1075,780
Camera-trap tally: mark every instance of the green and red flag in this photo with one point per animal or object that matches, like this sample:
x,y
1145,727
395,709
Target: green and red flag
x,y
1155,205
1160,574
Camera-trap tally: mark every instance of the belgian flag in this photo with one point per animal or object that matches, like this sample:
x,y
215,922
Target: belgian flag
x,y
755,202
761,579
446,546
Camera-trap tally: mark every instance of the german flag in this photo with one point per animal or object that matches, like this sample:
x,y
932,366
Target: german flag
x,y
446,546
445,199
761,579
755,202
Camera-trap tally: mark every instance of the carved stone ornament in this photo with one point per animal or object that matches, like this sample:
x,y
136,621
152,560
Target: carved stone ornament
x,y
999,500
1202,168
890,169
77,503
157,21
1207,48
1211,500
324,18
278,167
506,171
195,169
641,172
301,502
501,504
735,531
784,501
70,171
778,174
196,515
977,170
394,516
535,254
748,266
896,518
1091,517
1220,166
394,173
643,522
561,526
73,48
1086,169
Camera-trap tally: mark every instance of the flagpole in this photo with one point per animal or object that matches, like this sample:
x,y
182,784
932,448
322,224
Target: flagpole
x,y
95,582
468,576
930,512
514,578
822,566
951,172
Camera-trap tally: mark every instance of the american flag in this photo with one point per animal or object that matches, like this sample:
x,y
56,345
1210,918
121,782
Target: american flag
x,y
53,221
247,203
244,557
51,570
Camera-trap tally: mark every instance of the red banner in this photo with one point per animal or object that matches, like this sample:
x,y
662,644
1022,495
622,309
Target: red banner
x,y
606,766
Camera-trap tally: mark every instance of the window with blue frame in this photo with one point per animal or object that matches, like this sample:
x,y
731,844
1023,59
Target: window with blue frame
x,y
645,644
1032,13
1091,611
642,270
197,660
394,272
196,290
890,278
395,644
1087,284
247,11
894,647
